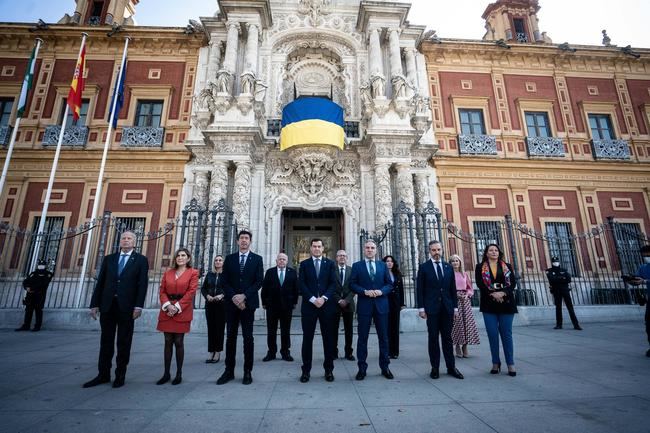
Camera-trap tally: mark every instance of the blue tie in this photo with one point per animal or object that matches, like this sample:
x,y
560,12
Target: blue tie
x,y
122,263
242,263
371,267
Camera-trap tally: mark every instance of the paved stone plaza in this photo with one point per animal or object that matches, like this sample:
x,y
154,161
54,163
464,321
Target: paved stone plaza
x,y
568,381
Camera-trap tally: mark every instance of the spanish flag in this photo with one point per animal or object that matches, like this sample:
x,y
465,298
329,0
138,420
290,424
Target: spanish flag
x,y
312,120
77,85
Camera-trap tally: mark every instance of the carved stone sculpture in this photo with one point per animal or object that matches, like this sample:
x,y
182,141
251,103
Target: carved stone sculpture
x,y
378,85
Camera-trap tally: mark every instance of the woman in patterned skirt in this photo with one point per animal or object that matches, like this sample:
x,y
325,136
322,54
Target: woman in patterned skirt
x,y
464,331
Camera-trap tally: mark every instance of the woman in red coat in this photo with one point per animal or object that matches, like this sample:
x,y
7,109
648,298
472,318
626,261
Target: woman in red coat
x,y
177,290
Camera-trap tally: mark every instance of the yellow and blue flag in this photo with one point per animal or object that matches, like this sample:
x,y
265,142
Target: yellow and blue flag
x,y
312,120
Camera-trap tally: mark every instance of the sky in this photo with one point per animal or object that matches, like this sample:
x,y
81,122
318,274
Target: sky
x,y
573,21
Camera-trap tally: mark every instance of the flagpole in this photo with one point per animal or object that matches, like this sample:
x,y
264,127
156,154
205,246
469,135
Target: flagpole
x,y
14,133
100,177
46,203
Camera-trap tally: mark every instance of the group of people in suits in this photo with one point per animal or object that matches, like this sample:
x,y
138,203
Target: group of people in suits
x,y
328,289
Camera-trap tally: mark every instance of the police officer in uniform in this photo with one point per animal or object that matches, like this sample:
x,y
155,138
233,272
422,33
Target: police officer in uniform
x,y
559,279
36,285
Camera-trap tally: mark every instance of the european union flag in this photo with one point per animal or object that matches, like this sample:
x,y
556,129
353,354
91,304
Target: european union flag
x,y
118,93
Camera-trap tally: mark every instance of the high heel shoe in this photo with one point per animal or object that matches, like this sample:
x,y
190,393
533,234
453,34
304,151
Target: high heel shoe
x,y
178,379
459,354
512,373
496,370
163,379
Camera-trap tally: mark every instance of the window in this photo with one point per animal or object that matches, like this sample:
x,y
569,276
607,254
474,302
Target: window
x,y
520,30
537,124
82,115
6,104
96,13
49,246
133,224
562,246
149,113
629,240
601,127
486,232
471,122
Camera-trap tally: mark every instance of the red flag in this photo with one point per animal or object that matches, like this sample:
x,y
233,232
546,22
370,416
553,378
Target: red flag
x,y
77,85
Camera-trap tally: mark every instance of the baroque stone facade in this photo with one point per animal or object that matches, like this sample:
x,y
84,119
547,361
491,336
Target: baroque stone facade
x,y
262,55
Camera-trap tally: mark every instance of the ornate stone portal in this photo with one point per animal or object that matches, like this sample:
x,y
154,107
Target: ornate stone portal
x,y
364,57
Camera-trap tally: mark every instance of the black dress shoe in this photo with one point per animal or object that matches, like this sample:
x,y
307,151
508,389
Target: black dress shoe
x,y
97,381
22,328
350,357
226,377
248,378
118,382
360,375
164,379
268,357
329,376
387,374
287,358
304,378
36,328
393,356
455,373
577,328
558,327
647,353
177,380
435,373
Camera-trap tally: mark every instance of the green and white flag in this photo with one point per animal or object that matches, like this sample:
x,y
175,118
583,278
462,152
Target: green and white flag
x,y
27,84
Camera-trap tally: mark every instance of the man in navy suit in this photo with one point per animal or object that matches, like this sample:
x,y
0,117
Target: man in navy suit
x,y
119,297
317,281
371,282
241,279
279,296
437,303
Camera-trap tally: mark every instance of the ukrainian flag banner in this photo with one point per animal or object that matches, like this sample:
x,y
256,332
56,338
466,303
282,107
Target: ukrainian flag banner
x,y
312,120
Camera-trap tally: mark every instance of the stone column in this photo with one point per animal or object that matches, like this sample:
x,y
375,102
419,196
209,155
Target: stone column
x,y
405,191
214,58
242,194
252,44
411,69
375,52
218,182
79,10
232,42
395,57
383,202
422,192
201,187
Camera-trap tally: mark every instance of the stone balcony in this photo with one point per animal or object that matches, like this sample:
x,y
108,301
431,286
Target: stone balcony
x,y
477,144
76,136
545,146
142,136
610,149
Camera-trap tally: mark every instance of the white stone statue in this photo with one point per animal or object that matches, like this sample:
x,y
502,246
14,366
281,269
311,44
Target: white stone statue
x,y
378,86
224,79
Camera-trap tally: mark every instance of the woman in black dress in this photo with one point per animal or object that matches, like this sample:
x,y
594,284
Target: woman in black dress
x,y
215,311
395,305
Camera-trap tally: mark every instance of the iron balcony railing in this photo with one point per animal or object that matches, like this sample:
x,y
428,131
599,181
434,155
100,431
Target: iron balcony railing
x,y
73,135
142,136
545,146
477,144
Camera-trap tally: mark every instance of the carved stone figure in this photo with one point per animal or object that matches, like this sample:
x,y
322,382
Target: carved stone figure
x,y
399,86
224,80
247,83
378,85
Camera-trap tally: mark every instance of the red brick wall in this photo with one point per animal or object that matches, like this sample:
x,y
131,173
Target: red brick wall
x,y
450,85
153,203
578,92
19,75
638,211
639,91
72,204
516,88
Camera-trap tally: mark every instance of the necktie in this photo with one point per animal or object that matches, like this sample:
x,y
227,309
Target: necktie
x,y
242,262
281,276
341,275
122,263
317,264
371,267
439,271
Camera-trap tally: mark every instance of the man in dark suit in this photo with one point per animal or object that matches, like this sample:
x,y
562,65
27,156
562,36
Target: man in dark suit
x,y
371,282
241,279
119,297
317,282
437,303
279,296
344,298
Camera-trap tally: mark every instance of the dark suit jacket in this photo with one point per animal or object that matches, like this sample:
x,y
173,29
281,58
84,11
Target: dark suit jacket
x,y
343,291
487,303
310,286
130,287
433,294
248,283
396,296
274,295
360,281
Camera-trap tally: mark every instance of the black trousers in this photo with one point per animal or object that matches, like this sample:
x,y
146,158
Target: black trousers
x,y
35,301
393,330
308,330
348,318
565,295
115,322
215,318
647,321
235,317
277,315
440,325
